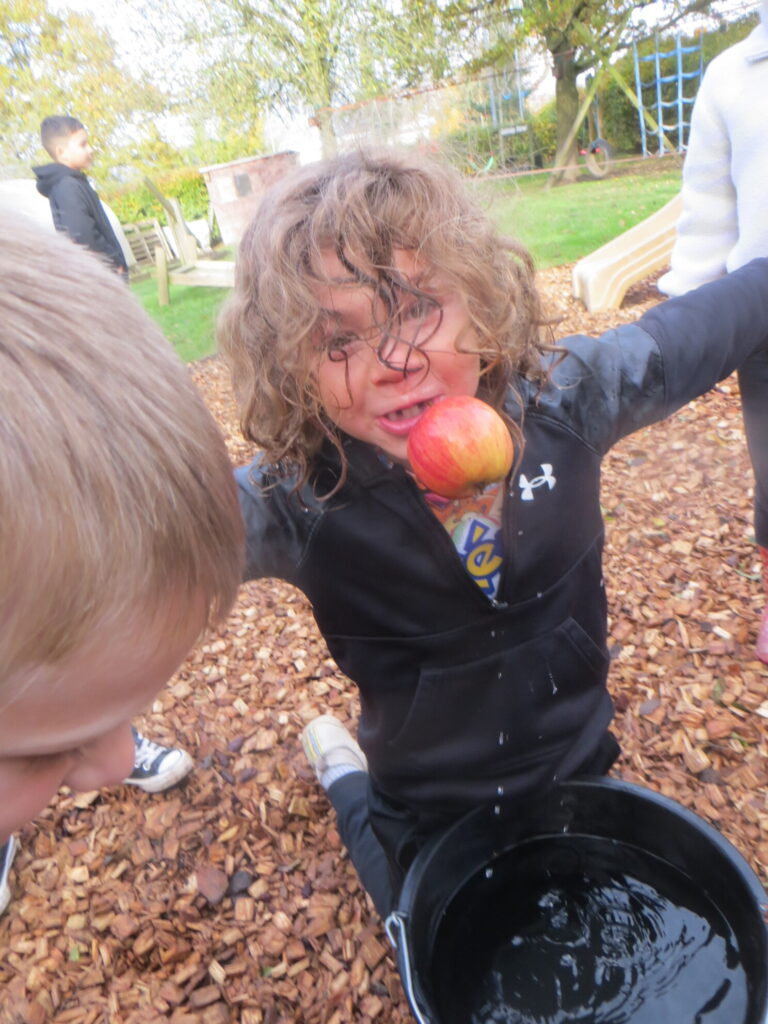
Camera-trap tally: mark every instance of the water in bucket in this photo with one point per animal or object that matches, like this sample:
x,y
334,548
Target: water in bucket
x,y
591,932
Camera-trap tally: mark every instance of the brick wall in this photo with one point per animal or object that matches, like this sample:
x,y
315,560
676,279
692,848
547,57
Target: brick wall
x,y
235,188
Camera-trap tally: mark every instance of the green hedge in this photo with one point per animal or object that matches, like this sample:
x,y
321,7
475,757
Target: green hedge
x,y
476,147
135,202
544,125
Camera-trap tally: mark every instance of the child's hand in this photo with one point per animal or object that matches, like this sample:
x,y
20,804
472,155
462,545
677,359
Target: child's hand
x,y
458,446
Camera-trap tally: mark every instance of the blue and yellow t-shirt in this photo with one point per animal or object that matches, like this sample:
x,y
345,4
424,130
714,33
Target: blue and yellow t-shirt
x,y
474,525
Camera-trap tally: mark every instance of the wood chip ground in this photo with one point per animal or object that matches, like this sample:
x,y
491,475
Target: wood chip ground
x,y
229,898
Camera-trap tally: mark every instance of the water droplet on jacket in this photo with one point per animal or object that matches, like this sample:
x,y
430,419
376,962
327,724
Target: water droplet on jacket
x,y
501,739
496,809
500,790
489,872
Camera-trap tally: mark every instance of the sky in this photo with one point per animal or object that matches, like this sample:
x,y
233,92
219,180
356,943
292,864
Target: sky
x,y
119,19
114,15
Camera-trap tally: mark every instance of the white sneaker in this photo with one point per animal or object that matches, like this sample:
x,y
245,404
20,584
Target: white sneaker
x,y
7,853
155,767
329,744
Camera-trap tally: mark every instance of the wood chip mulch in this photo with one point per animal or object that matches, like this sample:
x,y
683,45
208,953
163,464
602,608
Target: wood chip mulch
x,y
229,898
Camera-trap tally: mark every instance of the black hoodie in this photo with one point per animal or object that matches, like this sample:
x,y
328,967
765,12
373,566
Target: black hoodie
x,y
465,698
77,210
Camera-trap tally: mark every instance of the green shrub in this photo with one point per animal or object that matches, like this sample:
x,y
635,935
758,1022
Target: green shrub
x,y
480,147
470,148
135,202
544,127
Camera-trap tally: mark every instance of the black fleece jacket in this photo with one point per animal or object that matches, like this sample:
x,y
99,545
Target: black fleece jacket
x,y
465,698
78,212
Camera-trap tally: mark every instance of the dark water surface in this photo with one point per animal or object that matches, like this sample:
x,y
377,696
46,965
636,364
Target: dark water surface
x,y
586,931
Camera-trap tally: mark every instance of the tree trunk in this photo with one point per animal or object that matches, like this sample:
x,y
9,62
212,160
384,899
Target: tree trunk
x,y
567,108
324,122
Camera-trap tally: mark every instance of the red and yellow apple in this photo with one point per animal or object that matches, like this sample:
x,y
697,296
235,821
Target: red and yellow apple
x,y
458,446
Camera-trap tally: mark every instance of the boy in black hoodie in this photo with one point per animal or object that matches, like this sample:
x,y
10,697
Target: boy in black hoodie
x,y
75,206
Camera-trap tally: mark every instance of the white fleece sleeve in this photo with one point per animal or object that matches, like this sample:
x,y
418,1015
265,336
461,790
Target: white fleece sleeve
x,y
708,226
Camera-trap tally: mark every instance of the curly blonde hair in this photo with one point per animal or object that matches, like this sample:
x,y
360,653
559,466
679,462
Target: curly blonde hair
x,y
364,207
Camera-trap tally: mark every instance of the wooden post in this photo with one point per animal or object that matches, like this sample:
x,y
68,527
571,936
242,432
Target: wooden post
x,y
188,246
161,266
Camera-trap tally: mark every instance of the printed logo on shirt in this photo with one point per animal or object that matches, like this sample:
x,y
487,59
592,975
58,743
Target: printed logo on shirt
x,y
474,526
527,486
478,542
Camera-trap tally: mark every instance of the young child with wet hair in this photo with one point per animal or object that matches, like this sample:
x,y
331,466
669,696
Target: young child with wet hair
x,y
121,537
367,289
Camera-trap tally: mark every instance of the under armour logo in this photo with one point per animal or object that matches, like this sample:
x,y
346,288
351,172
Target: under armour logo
x,y
527,486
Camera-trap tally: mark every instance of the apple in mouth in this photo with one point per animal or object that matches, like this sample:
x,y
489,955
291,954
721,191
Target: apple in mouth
x,y
458,446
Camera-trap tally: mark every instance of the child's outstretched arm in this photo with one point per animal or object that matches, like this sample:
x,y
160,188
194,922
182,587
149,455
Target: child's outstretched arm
x,y
707,334
640,373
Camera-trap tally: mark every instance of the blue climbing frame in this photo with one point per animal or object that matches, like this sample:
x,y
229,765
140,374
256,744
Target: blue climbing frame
x,y
668,68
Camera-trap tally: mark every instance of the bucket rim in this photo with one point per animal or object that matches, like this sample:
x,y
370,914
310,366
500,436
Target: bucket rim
x,y
585,783
406,929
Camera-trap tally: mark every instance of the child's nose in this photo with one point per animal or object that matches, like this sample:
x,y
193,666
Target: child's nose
x,y
103,762
394,357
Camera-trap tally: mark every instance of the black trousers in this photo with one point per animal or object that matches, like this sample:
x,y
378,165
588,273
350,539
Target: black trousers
x,y
753,383
382,837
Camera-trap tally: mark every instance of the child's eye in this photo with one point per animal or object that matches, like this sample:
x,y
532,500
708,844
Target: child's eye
x,y
420,309
341,346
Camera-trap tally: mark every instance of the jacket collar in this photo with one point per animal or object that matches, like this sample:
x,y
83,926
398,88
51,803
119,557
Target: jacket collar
x,y
367,465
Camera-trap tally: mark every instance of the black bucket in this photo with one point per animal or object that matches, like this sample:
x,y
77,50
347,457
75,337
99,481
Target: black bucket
x,y
603,903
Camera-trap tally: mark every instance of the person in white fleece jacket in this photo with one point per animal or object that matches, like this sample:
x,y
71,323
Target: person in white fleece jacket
x,y
724,223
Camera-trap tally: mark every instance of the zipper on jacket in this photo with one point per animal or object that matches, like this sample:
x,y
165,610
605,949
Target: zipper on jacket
x,y
506,541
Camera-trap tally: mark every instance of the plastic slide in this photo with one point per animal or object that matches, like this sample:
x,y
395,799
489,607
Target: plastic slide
x,y
601,279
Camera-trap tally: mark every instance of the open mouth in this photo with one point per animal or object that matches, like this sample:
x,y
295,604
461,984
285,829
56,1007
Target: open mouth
x,y
409,412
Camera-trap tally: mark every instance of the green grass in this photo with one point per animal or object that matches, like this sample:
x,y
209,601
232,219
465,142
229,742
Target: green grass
x,y
558,225
562,224
188,321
